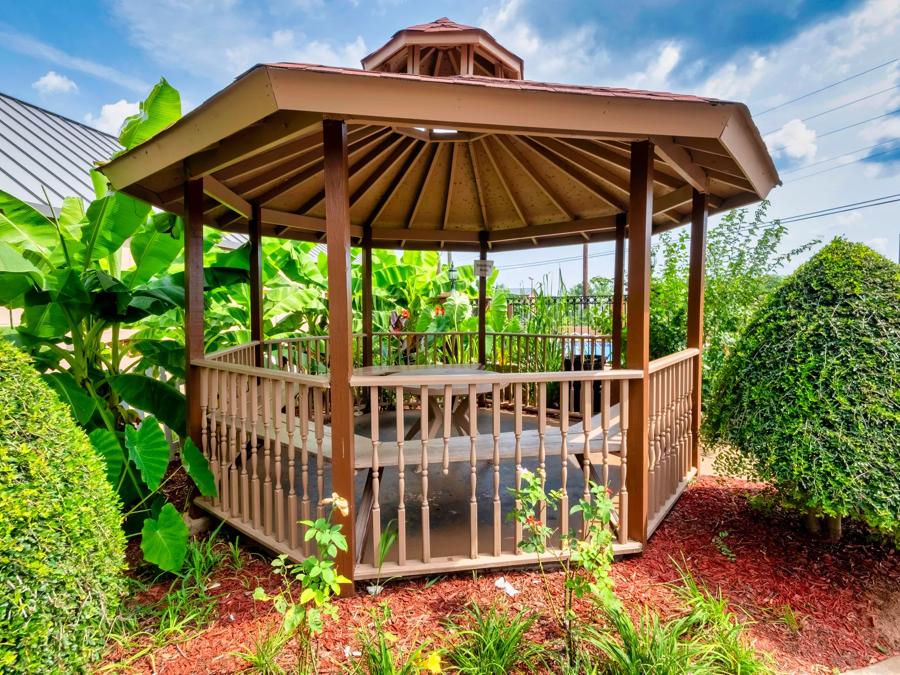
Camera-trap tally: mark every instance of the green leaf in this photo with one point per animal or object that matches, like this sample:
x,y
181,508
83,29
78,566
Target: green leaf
x,y
165,354
149,450
44,320
160,109
154,248
70,392
111,220
152,396
106,443
24,227
198,468
17,275
164,539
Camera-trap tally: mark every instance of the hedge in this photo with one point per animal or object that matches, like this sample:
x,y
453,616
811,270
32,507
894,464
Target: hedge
x,y
61,543
810,397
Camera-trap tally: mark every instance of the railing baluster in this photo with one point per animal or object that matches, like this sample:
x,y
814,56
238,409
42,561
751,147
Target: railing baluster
x,y
542,431
517,410
495,415
319,412
278,495
623,490
233,444
267,455
291,411
401,480
586,420
448,413
564,458
255,491
243,479
605,389
304,464
473,472
376,475
423,462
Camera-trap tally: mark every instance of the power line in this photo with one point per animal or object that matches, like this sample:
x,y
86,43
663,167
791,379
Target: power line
x,y
842,206
840,166
554,261
840,129
843,105
826,87
845,154
834,210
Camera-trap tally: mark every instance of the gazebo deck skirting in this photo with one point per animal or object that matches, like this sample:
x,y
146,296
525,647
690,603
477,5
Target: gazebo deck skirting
x,y
445,492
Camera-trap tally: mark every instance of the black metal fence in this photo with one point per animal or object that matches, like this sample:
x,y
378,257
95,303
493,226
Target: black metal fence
x,y
592,312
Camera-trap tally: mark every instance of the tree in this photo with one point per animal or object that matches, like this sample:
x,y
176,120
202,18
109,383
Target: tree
x,y
742,267
809,397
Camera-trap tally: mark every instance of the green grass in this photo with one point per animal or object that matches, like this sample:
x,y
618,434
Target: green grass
x,y
380,654
493,642
262,657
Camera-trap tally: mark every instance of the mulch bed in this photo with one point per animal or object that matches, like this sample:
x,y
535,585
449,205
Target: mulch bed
x,y
815,606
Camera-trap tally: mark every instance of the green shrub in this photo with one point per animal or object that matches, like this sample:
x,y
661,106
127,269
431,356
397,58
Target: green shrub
x,y
61,544
810,397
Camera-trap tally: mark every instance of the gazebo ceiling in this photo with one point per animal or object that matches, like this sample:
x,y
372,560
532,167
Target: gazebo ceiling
x,y
446,161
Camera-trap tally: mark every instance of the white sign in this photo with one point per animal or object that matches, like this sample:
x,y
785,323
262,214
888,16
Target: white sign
x,y
483,268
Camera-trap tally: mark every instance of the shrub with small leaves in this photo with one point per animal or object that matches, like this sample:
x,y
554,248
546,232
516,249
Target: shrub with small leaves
x,y
62,550
810,397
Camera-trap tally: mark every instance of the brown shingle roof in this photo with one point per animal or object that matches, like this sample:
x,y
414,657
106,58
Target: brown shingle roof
x,y
497,83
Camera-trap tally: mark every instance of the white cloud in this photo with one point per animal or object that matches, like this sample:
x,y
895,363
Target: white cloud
x,y
794,139
879,244
220,40
111,116
571,57
736,82
25,44
656,74
54,83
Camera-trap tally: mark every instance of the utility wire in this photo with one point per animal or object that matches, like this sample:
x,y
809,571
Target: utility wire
x,y
845,154
840,166
840,129
843,105
842,206
826,87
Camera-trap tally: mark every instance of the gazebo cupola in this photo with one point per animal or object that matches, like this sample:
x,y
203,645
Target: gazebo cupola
x,y
444,48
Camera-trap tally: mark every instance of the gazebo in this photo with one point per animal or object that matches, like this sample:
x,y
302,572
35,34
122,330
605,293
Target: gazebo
x,y
439,143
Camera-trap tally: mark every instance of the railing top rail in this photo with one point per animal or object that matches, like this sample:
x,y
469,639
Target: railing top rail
x,y
212,356
586,336
271,373
672,359
410,379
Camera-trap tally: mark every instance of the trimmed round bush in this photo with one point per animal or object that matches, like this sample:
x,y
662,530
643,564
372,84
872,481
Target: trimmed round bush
x,y
61,543
810,397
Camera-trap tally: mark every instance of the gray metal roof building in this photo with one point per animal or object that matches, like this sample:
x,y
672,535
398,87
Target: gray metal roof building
x,y
47,157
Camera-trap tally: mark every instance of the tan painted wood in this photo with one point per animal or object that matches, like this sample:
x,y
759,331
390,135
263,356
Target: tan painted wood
x,y
193,303
680,159
337,216
637,355
696,291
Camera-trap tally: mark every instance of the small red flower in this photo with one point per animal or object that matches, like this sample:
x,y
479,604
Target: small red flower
x,y
404,313
531,521
439,310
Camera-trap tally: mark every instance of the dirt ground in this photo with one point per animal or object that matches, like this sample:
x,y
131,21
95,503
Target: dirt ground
x,y
816,607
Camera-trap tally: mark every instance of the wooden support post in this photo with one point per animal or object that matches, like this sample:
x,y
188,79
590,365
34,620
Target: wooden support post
x,y
193,303
618,289
367,307
637,354
337,240
585,276
482,305
696,289
256,289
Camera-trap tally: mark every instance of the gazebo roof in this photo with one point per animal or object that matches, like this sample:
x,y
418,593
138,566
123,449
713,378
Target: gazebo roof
x,y
446,161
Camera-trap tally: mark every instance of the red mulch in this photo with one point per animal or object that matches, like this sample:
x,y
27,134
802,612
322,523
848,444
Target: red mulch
x,y
845,596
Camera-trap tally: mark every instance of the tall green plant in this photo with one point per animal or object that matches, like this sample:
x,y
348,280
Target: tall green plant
x,y
66,271
743,261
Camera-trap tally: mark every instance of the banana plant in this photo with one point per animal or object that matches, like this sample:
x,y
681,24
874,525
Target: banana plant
x,y
65,271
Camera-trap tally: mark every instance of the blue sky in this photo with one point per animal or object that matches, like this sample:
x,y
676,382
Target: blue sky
x,y
93,60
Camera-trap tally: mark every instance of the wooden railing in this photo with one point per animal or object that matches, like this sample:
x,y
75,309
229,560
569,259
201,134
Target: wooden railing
x,y
453,429
264,434
671,438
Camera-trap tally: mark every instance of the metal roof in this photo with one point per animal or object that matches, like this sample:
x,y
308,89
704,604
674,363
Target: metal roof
x,y
45,156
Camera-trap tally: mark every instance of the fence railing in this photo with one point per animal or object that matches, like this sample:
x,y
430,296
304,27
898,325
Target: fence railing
x,y
592,311
670,424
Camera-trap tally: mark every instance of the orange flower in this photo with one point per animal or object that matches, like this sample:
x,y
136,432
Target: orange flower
x,y
404,313
531,521
439,310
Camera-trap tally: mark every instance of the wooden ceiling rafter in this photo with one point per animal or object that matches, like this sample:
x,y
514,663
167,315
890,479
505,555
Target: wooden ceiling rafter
x,y
383,146
508,144
448,192
402,174
389,163
426,176
502,179
479,189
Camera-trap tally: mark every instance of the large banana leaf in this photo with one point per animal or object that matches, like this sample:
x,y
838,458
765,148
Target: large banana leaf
x,y
17,275
152,396
154,248
70,392
23,226
107,445
111,220
161,107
